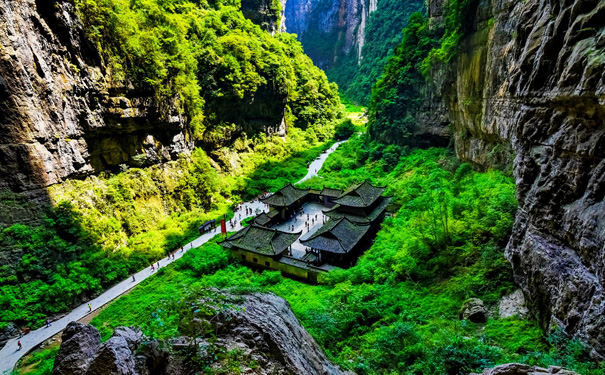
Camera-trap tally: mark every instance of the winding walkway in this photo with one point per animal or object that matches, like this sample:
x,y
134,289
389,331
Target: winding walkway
x,y
9,355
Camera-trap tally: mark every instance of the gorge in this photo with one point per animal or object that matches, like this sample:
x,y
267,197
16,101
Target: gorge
x,y
124,125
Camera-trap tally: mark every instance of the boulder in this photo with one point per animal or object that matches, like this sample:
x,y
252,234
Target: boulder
x,y
265,324
474,310
513,304
80,343
522,369
113,358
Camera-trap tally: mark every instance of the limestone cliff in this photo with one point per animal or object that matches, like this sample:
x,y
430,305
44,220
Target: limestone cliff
x,y
527,90
60,117
329,29
63,116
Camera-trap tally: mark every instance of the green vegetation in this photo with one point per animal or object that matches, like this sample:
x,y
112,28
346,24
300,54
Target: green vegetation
x,y
396,311
355,77
458,17
396,97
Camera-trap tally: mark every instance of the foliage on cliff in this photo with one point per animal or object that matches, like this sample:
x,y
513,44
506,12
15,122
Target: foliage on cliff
x,y
396,97
354,77
199,51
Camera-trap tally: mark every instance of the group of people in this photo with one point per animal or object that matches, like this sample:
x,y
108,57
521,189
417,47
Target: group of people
x,y
311,220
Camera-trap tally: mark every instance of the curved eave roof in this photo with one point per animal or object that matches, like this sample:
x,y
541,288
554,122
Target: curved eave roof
x,y
337,236
261,240
360,195
285,196
335,214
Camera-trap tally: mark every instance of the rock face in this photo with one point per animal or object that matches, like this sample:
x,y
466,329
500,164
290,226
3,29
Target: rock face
x,y
127,352
267,325
60,114
513,305
329,28
527,91
264,13
474,310
522,369
262,327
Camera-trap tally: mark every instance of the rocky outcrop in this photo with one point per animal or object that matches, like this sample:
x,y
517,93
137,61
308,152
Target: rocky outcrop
x,y
80,343
265,324
522,369
127,352
474,310
61,115
261,327
513,305
528,92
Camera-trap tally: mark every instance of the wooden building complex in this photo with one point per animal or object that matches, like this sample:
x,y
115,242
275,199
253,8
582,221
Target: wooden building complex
x,y
338,242
354,217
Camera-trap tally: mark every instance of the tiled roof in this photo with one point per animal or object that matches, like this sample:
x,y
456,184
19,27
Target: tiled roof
x,y
334,193
336,214
285,196
261,240
360,195
337,236
264,218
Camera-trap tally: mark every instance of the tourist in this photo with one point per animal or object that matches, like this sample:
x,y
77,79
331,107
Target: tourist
x,y
19,344
152,268
133,279
48,322
89,308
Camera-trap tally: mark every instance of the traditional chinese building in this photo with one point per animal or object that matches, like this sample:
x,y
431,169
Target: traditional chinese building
x,y
328,196
361,203
339,242
259,246
267,219
287,200
354,218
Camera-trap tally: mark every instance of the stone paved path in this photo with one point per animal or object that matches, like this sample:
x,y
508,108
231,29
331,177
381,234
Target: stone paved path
x,y
9,355
317,163
313,210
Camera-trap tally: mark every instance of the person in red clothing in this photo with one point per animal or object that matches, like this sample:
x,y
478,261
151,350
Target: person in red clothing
x,y
19,343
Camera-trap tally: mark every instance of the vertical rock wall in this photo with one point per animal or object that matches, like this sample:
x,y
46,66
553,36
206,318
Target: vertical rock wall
x,y
61,116
329,29
528,90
